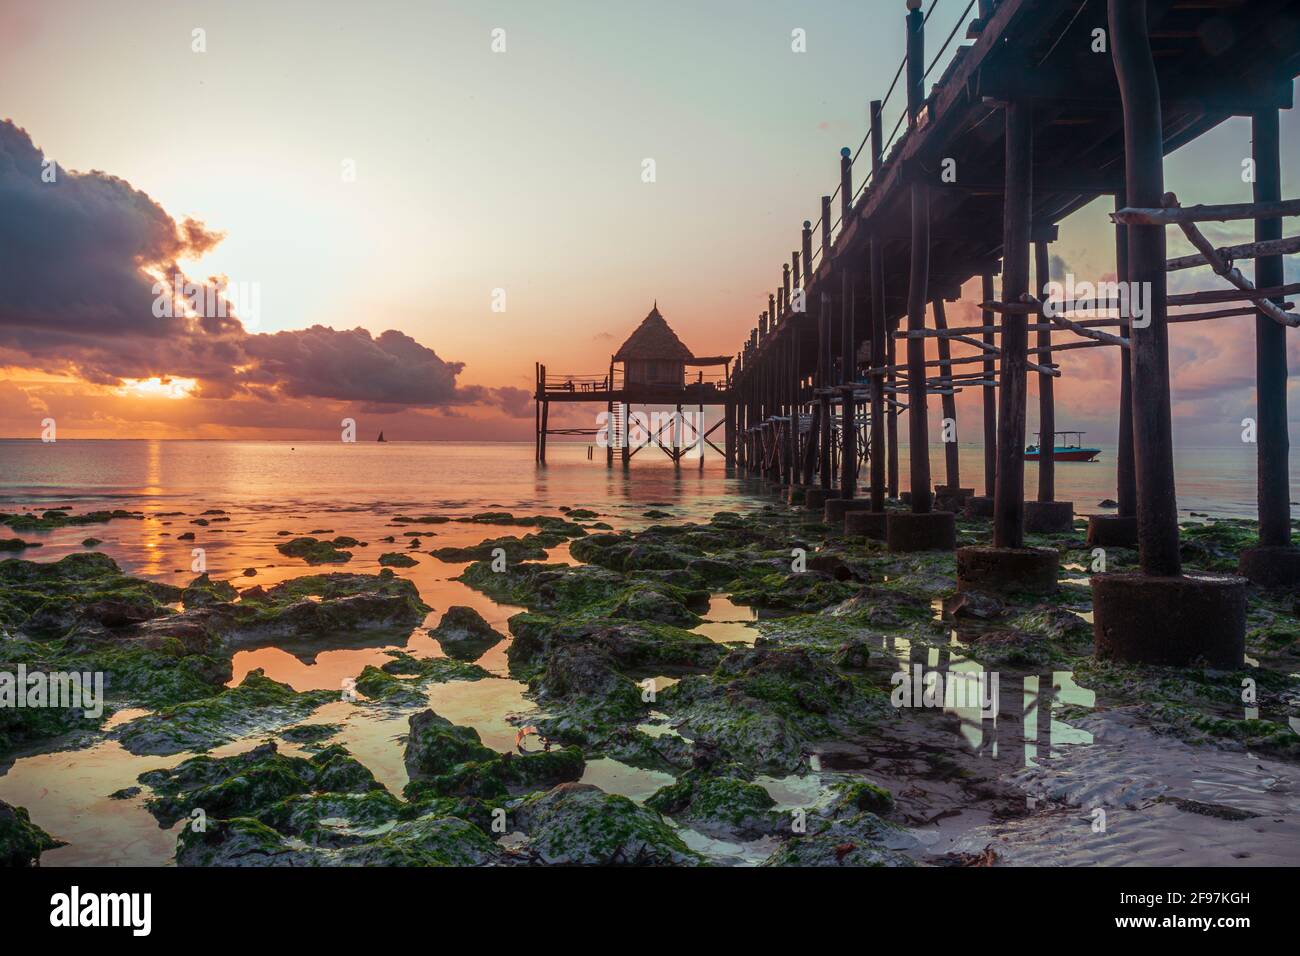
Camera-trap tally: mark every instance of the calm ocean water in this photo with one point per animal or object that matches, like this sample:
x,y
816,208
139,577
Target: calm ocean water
x,y
333,476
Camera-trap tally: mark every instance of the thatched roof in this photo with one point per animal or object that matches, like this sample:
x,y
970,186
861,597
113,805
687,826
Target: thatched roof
x,y
653,339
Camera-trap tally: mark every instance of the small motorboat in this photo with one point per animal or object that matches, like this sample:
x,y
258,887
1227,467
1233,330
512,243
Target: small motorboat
x,y
1066,446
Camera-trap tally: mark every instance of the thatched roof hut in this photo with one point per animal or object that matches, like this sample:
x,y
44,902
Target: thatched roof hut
x,y
653,354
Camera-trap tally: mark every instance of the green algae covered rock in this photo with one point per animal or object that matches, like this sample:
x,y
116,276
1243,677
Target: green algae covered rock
x,y
314,551
203,591
425,841
578,824
247,784
54,519
502,775
763,706
80,591
860,840
21,841
237,842
722,805
257,704
396,559
463,634
434,745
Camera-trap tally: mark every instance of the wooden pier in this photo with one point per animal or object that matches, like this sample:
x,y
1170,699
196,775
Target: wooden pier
x,y
1050,105
653,368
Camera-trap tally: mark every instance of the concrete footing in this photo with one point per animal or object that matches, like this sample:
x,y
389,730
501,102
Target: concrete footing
x,y
1112,531
931,531
836,508
1004,570
980,506
1047,517
815,498
947,498
1176,621
865,524
1270,566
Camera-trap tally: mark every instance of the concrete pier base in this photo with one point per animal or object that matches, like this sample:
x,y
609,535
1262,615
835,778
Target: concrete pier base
x,y
865,524
836,508
1112,531
1048,517
815,498
1004,570
932,531
1176,621
1270,566
951,499
980,506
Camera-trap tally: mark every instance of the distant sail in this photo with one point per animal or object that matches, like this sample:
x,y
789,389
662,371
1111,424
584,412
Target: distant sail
x,y
381,437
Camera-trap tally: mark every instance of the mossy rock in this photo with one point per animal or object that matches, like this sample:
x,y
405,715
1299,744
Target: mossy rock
x,y
21,841
723,805
578,824
314,551
257,704
245,785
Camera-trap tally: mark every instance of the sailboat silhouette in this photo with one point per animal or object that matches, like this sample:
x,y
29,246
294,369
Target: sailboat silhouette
x,y
381,437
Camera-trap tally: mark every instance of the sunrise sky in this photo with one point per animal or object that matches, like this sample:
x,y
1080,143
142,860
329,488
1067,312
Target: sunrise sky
x,y
475,171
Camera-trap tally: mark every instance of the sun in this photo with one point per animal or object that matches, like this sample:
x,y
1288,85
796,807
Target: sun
x,y
157,387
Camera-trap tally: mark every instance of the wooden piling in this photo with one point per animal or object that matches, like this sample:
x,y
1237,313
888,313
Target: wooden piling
x,y
952,464
1046,398
990,393
918,283
879,332
1125,476
1157,506
1009,487
848,407
1272,441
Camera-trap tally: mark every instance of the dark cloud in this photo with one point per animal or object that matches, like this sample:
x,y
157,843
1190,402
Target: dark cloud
x,y
390,369
86,258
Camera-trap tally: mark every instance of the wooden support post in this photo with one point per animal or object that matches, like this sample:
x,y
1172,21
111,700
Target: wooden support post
x,y
952,465
728,434
848,409
1125,476
846,186
918,283
627,435
891,423
824,402
1009,489
537,412
546,410
826,229
990,395
792,387
879,333
1157,505
1273,443
1046,397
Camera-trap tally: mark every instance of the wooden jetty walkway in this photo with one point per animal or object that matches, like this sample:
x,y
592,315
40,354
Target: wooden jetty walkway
x,y
1052,104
